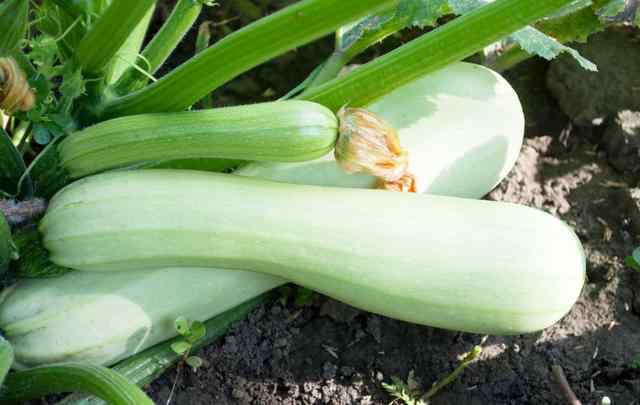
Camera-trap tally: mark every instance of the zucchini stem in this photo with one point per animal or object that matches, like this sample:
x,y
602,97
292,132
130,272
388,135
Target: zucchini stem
x,y
241,51
109,33
163,43
72,377
449,43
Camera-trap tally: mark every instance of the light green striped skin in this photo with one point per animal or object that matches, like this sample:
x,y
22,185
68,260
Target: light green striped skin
x,y
463,127
459,264
6,359
101,318
289,131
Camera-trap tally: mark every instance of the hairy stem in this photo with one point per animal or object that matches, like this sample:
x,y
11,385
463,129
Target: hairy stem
x,y
449,43
241,51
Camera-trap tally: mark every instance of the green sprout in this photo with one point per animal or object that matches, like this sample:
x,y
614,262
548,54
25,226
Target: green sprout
x,y
192,332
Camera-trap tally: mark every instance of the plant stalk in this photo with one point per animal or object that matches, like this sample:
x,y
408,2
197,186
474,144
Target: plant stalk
x,y
241,51
72,377
159,49
449,43
109,33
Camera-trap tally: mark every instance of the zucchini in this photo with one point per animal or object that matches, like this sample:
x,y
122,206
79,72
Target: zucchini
x,y
6,359
103,318
287,131
462,125
474,266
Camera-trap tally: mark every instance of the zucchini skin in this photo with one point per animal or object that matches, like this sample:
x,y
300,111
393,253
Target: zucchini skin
x,y
474,266
101,318
287,131
6,359
462,125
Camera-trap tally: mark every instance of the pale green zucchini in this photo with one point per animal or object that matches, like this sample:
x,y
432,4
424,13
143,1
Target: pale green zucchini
x,y
460,264
103,318
6,359
462,125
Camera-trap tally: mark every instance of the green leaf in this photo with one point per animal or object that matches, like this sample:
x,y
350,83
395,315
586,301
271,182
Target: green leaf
x,y
611,9
349,35
303,296
530,39
41,134
636,255
536,42
72,87
573,27
12,166
194,362
6,246
571,8
421,13
182,326
632,261
180,347
14,20
198,331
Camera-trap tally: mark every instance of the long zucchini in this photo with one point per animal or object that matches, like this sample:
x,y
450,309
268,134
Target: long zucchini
x,y
288,131
103,318
462,125
460,264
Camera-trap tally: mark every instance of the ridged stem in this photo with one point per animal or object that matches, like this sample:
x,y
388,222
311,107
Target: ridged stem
x,y
449,43
72,377
109,33
163,43
268,37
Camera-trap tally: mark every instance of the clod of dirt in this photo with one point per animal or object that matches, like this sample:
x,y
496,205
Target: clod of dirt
x,y
590,97
338,311
622,140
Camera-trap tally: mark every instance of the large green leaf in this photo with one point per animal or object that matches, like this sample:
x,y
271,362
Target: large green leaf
x,y
12,167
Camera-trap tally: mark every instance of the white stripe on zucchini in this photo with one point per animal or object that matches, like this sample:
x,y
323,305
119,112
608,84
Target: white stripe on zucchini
x,y
462,125
460,264
102,318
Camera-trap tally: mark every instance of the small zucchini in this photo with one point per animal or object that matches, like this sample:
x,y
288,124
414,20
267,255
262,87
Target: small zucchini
x,y
288,131
475,266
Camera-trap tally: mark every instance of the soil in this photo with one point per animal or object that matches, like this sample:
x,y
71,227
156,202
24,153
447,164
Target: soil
x,y
328,353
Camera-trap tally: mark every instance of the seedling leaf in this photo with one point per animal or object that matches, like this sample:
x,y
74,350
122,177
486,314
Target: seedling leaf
x,y
182,326
180,347
194,362
198,331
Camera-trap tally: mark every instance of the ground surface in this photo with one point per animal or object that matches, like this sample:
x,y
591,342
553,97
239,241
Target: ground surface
x,y
328,353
